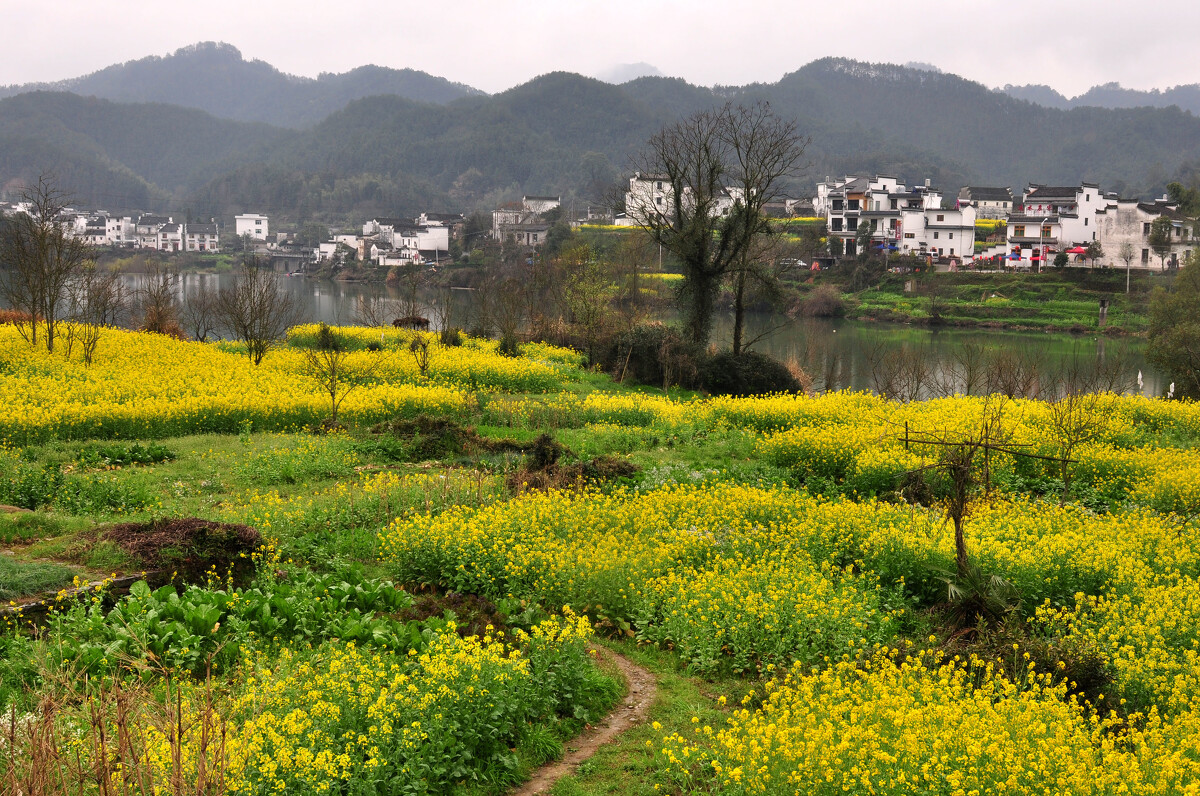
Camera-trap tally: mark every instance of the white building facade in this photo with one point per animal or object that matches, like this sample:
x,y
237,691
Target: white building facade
x,y
258,227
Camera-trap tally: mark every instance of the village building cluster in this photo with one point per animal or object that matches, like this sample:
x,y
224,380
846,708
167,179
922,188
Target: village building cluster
x,y
1040,223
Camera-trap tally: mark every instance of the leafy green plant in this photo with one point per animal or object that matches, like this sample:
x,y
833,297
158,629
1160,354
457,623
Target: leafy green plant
x,y
118,455
199,628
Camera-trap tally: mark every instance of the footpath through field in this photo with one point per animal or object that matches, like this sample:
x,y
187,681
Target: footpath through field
x,y
629,712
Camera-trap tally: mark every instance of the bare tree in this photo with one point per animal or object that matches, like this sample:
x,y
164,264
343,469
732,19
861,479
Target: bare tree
x,y
255,311
96,300
965,372
760,274
198,312
900,374
1074,419
157,299
328,363
588,292
42,257
965,462
1016,374
719,168
375,310
1126,255
411,278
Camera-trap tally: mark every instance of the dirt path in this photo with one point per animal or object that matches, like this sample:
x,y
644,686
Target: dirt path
x,y
630,712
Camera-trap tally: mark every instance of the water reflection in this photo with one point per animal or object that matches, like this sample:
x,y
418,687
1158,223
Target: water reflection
x,y
836,353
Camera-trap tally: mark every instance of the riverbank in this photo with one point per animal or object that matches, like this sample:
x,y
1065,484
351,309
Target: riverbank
x,y
1068,301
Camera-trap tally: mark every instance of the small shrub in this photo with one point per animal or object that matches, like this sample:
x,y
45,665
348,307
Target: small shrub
x,y
509,346
653,354
823,302
451,337
117,455
748,373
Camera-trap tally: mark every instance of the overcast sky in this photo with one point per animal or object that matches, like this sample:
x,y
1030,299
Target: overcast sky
x,y
1069,45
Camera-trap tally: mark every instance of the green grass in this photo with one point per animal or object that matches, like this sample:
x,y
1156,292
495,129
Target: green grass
x,y
20,579
626,767
1067,300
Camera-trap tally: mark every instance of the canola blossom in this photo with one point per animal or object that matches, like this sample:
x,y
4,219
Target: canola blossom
x,y
145,386
345,719
895,723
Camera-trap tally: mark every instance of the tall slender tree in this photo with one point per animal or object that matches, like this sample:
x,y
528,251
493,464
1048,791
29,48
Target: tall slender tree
x,y
719,168
42,255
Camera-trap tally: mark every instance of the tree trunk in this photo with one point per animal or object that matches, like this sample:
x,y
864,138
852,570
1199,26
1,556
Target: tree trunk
x,y
739,311
960,547
700,299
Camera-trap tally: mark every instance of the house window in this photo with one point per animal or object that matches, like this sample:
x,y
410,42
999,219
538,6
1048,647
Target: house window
x,y
1146,228
935,236
1145,256
658,200
837,225
1019,231
941,217
1046,231
658,185
838,204
910,234
853,204
852,224
1085,222
951,251
951,236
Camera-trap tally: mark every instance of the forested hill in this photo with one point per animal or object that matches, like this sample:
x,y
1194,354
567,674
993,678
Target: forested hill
x,y
122,156
1113,95
216,78
566,134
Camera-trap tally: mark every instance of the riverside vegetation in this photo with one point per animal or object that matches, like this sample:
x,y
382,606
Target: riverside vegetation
x,y
402,602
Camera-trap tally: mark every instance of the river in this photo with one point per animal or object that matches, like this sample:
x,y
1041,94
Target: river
x,y
836,353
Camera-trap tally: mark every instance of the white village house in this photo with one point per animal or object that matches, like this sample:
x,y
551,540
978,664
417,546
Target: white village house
x,y
258,227
1128,221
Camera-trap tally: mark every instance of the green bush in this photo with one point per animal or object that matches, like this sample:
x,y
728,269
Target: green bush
x,y
748,373
654,354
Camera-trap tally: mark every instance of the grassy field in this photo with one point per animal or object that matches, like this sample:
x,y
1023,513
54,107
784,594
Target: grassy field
x,y
404,604
1067,301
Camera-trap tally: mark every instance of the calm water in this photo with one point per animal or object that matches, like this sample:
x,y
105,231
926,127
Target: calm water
x,y
836,353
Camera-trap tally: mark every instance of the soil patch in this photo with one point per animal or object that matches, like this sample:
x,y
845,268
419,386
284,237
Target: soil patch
x,y
426,437
631,711
542,469
188,544
472,614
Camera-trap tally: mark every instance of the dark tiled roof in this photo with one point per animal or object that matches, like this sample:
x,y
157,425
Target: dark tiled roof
x,y
1044,192
542,198
984,194
202,229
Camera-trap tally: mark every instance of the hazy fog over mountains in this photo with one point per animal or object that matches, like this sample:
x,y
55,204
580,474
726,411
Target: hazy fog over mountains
x,y
1111,95
208,132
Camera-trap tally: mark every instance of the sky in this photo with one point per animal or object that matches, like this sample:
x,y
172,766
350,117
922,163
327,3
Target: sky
x,y
1069,45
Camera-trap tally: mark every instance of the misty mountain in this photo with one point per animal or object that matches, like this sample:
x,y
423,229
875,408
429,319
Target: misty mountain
x,y
562,133
1039,95
216,78
1113,96
623,73
122,155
